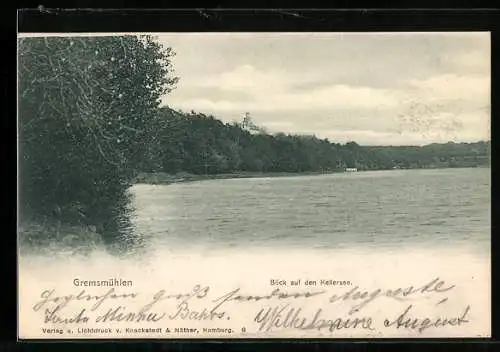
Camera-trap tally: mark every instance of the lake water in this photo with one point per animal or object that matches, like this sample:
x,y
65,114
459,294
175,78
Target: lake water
x,y
439,208
383,229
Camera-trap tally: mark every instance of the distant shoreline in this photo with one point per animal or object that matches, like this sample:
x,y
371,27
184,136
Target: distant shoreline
x,y
162,178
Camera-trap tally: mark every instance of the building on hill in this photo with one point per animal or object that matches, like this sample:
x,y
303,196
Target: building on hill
x,y
248,125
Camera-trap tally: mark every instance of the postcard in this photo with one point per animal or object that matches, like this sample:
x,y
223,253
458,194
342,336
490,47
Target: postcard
x,y
254,185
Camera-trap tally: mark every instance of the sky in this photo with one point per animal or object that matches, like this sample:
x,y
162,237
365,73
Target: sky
x,y
372,88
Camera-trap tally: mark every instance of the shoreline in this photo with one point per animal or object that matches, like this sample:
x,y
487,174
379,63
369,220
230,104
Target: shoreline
x,y
162,178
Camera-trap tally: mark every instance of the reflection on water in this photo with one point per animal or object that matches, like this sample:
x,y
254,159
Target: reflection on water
x,y
117,229
104,225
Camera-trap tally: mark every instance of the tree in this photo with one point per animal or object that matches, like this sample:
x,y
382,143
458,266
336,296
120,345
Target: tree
x,y
87,117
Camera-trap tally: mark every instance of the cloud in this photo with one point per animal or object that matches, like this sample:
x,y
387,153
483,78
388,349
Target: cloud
x,y
478,61
371,87
336,96
454,87
279,124
246,77
270,92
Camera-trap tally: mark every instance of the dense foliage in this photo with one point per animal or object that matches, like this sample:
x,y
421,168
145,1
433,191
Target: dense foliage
x,y
86,106
201,144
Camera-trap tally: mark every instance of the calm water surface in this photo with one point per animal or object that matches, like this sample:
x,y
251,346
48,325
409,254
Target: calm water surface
x,y
379,209
375,229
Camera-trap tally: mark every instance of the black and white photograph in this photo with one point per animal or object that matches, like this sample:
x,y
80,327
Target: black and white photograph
x,y
254,185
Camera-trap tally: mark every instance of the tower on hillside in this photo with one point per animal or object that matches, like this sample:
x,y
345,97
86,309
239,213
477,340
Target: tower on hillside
x,y
248,125
247,121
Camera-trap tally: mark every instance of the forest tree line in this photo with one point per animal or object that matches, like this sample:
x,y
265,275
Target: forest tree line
x,y
202,144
